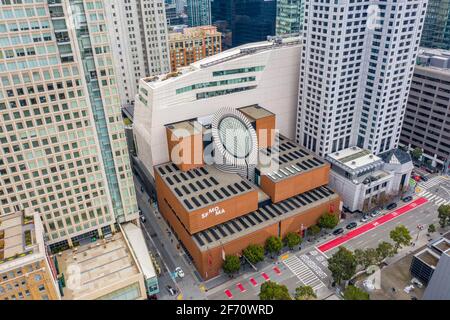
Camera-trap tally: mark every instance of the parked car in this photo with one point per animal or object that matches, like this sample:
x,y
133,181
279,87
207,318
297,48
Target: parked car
x,y
391,206
375,213
338,231
351,225
179,272
407,199
142,218
171,290
424,178
365,218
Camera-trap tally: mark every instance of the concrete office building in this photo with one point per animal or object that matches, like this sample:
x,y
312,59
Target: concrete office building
x,y
289,17
356,67
137,31
63,150
436,30
427,118
263,73
364,180
26,270
193,44
199,12
217,208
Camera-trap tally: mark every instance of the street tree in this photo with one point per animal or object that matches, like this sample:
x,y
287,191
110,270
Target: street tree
x,y
431,228
355,293
314,230
231,265
254,253
401,237
292,239
328,221
444,215
416,153
366,258
342,265
274,245
305,293
273,291
384,250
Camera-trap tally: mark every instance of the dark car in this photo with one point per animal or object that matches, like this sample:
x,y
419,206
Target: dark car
x,y
338,231
407,199
171,290
351,225
424,178
391,206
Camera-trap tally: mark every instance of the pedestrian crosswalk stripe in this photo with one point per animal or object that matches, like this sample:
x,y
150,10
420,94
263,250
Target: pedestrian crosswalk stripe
x,y
439,202
303,273
432,197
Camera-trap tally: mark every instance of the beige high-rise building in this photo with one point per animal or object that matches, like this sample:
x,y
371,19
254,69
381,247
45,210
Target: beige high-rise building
x,y
26,270
63,151
193,44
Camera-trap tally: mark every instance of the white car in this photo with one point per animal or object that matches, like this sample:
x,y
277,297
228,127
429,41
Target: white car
x,y
179,272
142,219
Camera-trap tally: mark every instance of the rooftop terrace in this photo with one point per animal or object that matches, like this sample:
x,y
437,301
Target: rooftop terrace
x,y
101,264
355,159
17,237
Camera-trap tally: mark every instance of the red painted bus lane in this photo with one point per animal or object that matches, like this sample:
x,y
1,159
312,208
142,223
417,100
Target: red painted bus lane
x,y
371,225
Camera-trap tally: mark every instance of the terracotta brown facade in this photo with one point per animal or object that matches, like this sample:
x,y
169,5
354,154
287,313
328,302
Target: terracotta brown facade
x,y
300,183
217,212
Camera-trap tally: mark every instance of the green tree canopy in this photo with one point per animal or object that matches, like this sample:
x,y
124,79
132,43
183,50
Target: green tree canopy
x,y
292,239
366,258
305,293
431,228
342,265
384,250
274,244
416,153
328,221
314,230
273,291
401,236
231,265
444,215
355,293
254,253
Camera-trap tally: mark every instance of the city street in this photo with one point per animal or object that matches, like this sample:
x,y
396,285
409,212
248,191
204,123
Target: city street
x,y
305,267
309,266
162,243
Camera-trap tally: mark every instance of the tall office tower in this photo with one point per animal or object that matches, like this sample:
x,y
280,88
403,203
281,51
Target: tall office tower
x,y
199,12
289,16
138,35
249,20
63,151
427,118
436,30
356,68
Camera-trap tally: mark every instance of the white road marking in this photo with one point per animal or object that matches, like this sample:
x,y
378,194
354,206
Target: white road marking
x,y
303,273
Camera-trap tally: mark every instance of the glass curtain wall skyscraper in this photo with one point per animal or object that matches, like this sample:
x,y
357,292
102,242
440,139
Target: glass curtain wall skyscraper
x,y
436,30
289,17
63,151
199,12
248,20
